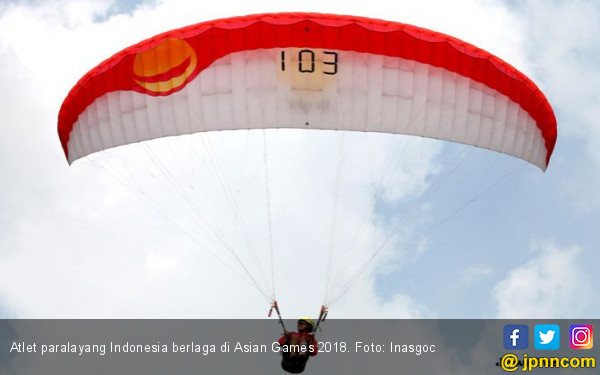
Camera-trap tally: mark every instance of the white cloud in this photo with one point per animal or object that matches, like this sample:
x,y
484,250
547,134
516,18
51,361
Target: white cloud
x,y
474,274
553,284
566,61
399,307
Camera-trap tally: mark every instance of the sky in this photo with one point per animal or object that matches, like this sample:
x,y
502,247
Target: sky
x,y
76,242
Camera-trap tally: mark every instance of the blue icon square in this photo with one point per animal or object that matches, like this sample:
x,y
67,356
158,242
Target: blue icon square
x,y
547,336
516,336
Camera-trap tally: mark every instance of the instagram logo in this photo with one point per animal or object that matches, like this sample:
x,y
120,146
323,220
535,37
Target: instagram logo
x,y
581,336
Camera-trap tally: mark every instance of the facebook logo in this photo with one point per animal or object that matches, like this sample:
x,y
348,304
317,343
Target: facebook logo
x,y
516,336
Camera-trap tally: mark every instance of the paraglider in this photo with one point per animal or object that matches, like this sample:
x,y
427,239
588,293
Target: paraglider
x,y
297,347
306,71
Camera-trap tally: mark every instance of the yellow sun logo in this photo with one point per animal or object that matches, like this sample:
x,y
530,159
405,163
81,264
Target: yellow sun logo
x,y
166,67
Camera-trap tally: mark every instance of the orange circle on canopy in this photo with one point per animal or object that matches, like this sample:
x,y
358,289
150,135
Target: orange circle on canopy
x,y
165,67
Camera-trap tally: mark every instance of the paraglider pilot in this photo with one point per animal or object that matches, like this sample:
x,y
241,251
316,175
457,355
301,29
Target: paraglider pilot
x,y
297,347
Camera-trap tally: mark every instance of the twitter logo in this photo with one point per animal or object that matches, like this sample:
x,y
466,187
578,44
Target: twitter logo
x,y
547,336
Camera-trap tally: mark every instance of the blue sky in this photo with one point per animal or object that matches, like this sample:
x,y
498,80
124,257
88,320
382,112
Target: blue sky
x,y
76,243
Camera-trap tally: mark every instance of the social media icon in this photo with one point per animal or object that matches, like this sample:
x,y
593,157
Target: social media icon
x,y
547,336
516,336
581,336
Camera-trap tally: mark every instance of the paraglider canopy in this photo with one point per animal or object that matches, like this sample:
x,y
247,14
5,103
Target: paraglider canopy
x,y
305,70
298,71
